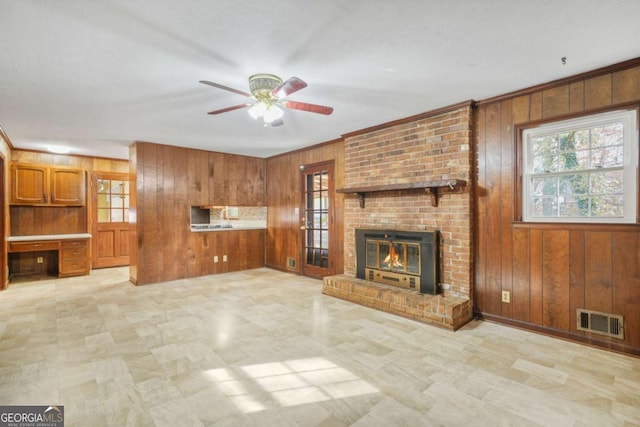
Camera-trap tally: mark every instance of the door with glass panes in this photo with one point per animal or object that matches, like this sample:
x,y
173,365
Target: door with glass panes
x,y
317,220
110,225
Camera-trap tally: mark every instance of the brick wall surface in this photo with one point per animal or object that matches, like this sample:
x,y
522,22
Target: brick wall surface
x,y
428,149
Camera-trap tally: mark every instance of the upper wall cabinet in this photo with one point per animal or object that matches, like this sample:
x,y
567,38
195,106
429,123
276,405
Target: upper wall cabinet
x,y
47,186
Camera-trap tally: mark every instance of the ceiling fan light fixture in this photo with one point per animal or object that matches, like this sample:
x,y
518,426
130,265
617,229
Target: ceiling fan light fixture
x,y
272,114
257,110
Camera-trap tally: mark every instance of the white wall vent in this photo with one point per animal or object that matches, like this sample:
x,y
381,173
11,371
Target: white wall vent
x,y
611,325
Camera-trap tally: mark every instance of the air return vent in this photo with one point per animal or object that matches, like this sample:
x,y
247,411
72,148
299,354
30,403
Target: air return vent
x,y
611,325
291,263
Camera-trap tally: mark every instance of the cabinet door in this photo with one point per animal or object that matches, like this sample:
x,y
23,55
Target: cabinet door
x,y
29,185
68,187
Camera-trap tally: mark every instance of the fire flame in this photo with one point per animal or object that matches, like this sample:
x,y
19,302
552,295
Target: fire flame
x,y
393,259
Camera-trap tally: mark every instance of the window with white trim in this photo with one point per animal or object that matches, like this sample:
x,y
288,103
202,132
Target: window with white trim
x,y
581,170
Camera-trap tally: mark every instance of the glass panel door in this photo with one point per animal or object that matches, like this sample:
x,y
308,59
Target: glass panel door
x,y
317,219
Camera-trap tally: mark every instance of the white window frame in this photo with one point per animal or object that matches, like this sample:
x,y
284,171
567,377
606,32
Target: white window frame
x,y
630,164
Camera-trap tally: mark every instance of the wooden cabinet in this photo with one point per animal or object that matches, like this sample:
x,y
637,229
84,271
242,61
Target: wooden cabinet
x,y
74,258
73,255
47,186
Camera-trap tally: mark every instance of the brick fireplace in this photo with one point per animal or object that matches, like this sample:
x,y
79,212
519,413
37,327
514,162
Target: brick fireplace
x,y
412,175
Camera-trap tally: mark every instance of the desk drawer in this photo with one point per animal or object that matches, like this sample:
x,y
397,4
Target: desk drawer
x,y
68,253
42,245
74,265
83,243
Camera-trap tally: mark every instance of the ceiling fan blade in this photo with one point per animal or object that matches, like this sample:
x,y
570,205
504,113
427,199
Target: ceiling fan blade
x,y
230,89
224,110
292,85
313,108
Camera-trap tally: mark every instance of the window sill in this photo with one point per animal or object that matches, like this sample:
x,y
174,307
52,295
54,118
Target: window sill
x,y
602,226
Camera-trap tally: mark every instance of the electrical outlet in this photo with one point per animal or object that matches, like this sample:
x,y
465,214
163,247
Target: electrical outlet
x,y
224,258
39,260
506,296
215,258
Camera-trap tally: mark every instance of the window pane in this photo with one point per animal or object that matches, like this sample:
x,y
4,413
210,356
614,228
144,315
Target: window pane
x,y
611,134
545,164
117,215
325,239
103,215
117,187
607,157
606,182
545,146
607,206
582,139
573,184
103,200
103,185
574,207
544,207
116,201
544,186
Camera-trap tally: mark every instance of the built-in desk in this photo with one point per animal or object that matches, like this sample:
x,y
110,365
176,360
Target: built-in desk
x,y
72,250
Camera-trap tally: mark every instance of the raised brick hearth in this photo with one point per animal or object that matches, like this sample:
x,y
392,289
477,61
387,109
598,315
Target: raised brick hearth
x,y
437,310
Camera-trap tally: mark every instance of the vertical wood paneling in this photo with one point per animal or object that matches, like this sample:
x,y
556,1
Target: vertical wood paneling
x,y
492,231
597,92
520,298
506,202
598,271
555,101
626,85
626,283
578,267
576,97
181,209
535,269
521,106
284,195
555,279
133,213
149,197
535,106
576,276
168,209
481,216
169,181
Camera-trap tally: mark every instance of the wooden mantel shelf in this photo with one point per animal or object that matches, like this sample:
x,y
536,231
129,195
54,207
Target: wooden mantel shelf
x,y
432,186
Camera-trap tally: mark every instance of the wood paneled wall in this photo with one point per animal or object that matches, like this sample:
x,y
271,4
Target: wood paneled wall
x,y
551,269
284,195
31,220
168,181
5,155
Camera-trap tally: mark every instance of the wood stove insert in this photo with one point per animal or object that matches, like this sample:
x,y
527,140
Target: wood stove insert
x,y
407,259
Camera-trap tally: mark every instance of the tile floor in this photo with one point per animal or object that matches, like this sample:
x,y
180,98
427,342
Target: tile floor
x,y
266,348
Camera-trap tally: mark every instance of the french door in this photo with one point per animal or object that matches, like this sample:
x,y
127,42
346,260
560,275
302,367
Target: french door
x,y
317,220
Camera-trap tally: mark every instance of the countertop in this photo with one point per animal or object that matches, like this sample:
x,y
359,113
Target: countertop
x,y
238,228
233,225
48,237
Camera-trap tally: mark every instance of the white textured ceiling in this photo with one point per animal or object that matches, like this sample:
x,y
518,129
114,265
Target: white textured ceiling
x,y
97,75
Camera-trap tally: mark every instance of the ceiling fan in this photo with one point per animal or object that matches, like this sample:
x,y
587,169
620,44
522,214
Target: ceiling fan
x,y
268,92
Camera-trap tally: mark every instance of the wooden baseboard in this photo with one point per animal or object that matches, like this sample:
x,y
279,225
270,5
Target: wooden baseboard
x,y
565,335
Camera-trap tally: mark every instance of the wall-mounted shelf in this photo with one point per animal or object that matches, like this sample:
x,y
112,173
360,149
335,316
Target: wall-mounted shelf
x,y
432,186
